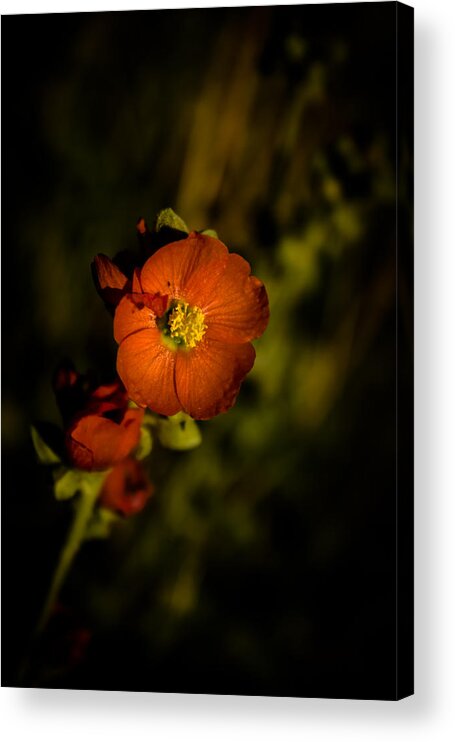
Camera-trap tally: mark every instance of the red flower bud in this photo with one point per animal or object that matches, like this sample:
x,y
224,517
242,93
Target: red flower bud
x,y
95,442
101,429
126,488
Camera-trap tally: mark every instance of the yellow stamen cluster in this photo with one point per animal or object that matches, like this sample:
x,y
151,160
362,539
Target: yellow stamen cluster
x,y
186,324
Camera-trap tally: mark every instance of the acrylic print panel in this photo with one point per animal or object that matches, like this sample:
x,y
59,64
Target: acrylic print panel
x,y
215,495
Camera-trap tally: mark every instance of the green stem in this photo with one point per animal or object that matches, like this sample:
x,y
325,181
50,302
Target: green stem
x,y
84,510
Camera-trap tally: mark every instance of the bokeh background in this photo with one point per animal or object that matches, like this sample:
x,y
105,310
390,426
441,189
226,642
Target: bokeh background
x,y
265,562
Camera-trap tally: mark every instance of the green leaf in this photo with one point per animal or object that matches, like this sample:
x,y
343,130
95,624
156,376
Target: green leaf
x,y
67,482
179,432
101,523
44,452
168,219
145,444
210,233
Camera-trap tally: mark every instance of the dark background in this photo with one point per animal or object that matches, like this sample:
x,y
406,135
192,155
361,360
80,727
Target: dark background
x,y
266,561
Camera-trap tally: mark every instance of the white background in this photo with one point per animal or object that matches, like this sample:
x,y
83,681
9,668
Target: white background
x,y
429,715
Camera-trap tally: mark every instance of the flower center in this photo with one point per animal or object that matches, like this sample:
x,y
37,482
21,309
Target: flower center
x,y
185,324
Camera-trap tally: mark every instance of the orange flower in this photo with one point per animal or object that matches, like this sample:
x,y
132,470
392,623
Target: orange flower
x,y
184,331
126,488
100,429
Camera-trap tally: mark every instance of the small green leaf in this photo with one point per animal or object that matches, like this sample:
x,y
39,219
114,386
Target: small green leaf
x,y
145,444
210,233
101,523
179,432
168,219
45,454
151,418
68,482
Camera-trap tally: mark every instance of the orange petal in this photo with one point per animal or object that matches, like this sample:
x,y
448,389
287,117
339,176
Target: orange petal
x,y
146,367
132,315
136,285
95,442
208,378
180,267
111,281
238,311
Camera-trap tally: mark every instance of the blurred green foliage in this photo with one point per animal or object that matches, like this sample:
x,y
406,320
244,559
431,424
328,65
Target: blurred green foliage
x,y
261,563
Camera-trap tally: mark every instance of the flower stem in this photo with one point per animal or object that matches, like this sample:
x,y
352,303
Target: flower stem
x,y
84,509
